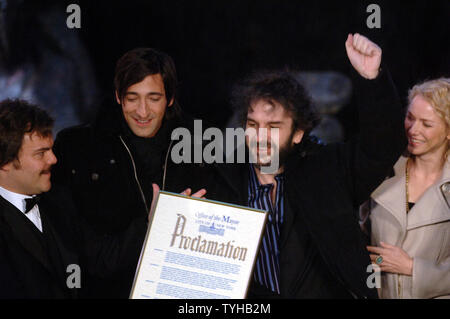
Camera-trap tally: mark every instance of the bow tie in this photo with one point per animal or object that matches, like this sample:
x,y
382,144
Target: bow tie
x,y
31,202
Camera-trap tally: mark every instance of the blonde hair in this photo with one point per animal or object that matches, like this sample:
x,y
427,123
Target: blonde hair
x,y
437,93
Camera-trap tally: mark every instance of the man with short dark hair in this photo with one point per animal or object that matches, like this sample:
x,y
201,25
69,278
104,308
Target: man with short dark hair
x,y
110,165
146,73
312,245
40,234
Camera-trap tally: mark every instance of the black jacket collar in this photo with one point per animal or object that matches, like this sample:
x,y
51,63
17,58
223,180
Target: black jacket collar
x,y
46,247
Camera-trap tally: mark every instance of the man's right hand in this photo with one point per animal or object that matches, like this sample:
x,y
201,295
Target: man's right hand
x,y
364,55
199,194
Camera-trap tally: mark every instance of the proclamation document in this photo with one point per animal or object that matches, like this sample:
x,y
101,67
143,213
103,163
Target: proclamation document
x,y
198,249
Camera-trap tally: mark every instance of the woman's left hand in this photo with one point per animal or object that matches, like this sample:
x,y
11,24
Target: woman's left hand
x,y
395,259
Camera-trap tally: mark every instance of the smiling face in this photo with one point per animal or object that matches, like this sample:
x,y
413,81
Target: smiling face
x,y
30,173
264,145
144,105
427,132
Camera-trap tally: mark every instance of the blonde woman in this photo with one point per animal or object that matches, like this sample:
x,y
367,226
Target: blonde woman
x,y
410,212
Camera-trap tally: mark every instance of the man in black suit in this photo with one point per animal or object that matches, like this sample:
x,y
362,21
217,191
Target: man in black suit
x,y
312,246
42,243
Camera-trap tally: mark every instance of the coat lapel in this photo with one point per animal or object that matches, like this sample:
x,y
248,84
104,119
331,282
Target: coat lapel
x,y
25,232
391,194
235,176
289,218
59,254
434,202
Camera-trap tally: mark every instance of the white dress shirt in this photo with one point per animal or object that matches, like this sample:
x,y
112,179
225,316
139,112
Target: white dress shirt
x,y
18,200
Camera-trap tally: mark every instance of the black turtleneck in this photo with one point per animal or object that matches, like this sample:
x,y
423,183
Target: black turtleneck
x,y
149,156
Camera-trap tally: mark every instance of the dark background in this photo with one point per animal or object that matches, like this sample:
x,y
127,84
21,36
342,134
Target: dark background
x,y
214,43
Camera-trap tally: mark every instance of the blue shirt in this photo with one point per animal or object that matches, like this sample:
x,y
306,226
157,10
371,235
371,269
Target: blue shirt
x,y
267,268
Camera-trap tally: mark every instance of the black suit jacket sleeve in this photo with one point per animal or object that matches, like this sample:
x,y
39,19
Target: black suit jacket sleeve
x,y
368,157
107,254
101,255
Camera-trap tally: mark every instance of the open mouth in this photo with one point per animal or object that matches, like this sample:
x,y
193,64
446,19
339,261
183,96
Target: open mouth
x,y
415,142
142,122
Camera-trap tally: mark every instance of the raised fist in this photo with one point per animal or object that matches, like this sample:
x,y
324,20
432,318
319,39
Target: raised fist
x,y
364,55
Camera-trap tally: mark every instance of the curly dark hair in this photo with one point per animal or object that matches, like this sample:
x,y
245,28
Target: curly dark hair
x,y
17,118
279,86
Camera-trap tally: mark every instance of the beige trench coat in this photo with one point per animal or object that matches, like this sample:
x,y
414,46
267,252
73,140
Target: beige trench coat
x,y
424,233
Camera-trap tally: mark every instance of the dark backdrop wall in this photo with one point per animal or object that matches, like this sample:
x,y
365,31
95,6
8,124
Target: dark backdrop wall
x,y
214,43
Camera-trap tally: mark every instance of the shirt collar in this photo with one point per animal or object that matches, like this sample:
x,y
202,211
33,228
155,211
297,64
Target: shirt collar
x,y
254,179
18,200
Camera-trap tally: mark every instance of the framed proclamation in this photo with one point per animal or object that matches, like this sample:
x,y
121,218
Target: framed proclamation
x,y
198,249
